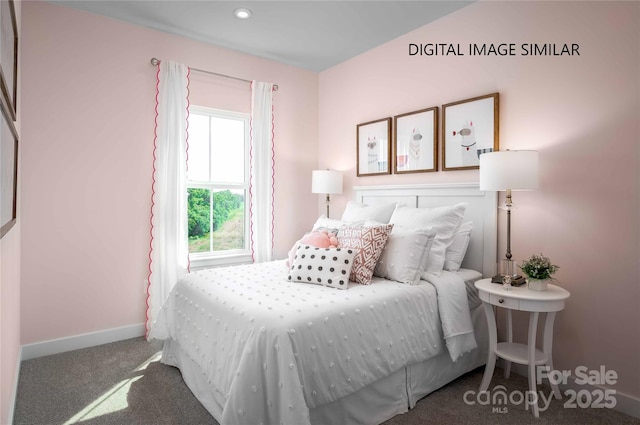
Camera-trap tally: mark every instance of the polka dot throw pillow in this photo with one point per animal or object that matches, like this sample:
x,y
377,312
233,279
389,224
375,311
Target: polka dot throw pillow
x,y
322,266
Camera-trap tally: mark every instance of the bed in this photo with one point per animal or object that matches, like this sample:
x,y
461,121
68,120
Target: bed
x,y
255,347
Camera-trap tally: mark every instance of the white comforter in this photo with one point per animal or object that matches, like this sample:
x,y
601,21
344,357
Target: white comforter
x,y
271,349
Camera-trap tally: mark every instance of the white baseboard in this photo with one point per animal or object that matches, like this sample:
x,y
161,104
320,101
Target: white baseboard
x,y
60,345
625,403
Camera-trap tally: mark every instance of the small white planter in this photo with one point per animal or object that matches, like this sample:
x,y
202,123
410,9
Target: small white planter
x,y
537,285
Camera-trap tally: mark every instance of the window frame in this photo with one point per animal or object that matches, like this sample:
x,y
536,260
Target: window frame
x,y
201,260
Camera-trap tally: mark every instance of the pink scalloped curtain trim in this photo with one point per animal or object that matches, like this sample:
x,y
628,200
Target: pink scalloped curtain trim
x,y
253,259
153,195
153,192
273,181
273,174
186,142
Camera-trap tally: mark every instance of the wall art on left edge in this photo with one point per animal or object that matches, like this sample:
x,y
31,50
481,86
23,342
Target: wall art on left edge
x,y
373,148
9,56
8,172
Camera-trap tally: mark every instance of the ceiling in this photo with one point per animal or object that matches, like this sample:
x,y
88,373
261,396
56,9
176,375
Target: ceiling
x,y
313,35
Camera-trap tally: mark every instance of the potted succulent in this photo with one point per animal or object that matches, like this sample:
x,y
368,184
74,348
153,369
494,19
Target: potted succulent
x,y
538,270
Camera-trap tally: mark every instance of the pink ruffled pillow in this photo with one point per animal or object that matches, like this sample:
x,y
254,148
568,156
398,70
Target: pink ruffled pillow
x,y
321,238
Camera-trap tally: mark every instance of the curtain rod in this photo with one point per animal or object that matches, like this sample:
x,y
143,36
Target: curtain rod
x,y
156,62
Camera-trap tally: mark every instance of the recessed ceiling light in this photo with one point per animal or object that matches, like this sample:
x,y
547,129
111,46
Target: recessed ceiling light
x,y
242,13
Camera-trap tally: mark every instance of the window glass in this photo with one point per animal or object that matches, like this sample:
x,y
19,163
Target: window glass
x,y
227,155
217,182
198,161
199,216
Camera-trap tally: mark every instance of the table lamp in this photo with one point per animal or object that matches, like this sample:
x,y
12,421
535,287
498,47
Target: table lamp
x,y
509,171
328,182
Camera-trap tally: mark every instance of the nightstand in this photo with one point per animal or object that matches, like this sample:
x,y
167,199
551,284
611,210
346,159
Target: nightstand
x,y
523,299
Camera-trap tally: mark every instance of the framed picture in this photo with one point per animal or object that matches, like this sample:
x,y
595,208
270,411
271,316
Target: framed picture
x,y
374,147
9,56
470,128
8,172
415,143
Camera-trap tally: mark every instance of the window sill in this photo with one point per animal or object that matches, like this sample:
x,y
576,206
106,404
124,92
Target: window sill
x,y
200,263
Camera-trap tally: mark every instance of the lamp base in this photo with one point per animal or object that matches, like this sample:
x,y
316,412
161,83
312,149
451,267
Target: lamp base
x,y
516,280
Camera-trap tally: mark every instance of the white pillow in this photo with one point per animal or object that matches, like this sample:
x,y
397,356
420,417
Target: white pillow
x,y
322,266
328,223
404,256
456,251
443,221
355,211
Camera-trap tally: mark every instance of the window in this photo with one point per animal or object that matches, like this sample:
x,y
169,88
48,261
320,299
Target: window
x,y
218,187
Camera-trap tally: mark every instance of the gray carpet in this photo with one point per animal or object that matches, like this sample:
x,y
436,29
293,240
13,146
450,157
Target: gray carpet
x,y
125,383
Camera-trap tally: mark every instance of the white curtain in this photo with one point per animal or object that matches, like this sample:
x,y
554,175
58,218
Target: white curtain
x,y
262,171
169,252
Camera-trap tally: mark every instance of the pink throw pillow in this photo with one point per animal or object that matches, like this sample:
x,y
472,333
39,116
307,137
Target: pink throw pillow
x,y
369,242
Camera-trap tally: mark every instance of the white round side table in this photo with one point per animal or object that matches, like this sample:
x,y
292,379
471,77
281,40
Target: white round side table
x,y
523,299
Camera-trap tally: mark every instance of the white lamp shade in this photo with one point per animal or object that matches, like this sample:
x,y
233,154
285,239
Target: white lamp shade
x,y
503,170
326,181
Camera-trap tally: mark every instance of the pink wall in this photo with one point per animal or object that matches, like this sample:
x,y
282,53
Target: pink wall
x,y
10,293
88,114
580,112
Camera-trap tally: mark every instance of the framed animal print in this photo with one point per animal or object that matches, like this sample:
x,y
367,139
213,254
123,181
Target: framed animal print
x,y
9,55
416,141
373,148
470,128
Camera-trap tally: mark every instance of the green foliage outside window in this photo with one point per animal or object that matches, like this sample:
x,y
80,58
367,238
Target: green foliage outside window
x,y
198,212
225,205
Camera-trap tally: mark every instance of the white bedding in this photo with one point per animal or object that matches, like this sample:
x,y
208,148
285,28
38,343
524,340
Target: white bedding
x,y
255,336
470,277
454,313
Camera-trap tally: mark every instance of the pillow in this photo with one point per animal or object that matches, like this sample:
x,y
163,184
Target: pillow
x,y
322,266
321,238
369,243
355,211
456,251
404,256
323,222
443,221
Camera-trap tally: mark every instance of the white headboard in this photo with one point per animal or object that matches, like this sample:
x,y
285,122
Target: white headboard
x,y
482,210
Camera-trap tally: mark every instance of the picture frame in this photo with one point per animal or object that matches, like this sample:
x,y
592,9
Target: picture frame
x,y
9,56
8,172
373,147
470,127
415,142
